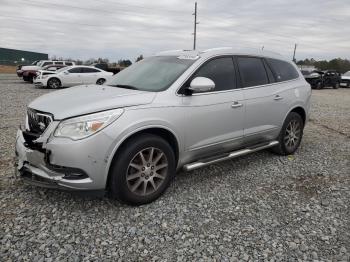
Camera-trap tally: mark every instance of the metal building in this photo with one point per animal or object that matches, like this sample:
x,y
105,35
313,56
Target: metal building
x,y
17,57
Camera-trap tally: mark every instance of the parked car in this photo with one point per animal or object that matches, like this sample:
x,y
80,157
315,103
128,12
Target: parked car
x,y
345,79
320,79
71,76
176,110
19,70
31,74
34,68
105,67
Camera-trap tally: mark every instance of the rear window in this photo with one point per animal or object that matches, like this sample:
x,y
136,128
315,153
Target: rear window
x,y
252,71
284,71
69,63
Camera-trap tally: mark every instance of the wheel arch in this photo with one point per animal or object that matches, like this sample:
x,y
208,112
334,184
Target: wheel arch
x,y
160,131
299,110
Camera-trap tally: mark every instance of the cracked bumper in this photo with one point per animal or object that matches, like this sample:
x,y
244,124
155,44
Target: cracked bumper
x,y
34,168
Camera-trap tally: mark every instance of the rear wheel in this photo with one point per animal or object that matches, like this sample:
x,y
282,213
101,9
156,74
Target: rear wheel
x,y
100,81
142,170
291,134
54,83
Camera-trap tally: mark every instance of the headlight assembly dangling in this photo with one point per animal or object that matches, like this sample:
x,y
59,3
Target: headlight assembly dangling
x,y
81,127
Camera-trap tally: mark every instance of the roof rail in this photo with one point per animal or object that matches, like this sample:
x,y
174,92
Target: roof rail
x,y
216,48
169,51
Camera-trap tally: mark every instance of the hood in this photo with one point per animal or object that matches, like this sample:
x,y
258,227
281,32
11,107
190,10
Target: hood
x,y
26,68
313,75
87,99
46,72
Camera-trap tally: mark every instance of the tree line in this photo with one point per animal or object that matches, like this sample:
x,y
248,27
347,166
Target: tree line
x,y
341,65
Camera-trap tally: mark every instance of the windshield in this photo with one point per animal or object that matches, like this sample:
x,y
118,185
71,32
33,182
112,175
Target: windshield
x,y
151,74
347,73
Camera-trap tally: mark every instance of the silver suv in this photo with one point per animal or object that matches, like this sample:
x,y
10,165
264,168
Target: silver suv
x,y
175,110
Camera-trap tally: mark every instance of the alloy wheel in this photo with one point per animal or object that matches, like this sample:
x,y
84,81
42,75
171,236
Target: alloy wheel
x,y
54,83
292,134
147,171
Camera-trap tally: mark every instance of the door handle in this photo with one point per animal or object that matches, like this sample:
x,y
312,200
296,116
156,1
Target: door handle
x,y
236,104
278,97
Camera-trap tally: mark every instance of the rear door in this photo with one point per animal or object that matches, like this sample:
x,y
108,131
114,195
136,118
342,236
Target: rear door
x,y
265,100
90,75
215,118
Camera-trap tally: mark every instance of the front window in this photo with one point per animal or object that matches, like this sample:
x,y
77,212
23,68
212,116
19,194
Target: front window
x,y
151,74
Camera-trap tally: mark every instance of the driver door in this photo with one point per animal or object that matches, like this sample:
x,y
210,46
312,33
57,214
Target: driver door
x,y
215,119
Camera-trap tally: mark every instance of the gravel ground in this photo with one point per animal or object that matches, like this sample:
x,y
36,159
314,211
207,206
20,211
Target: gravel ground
x,y
260,207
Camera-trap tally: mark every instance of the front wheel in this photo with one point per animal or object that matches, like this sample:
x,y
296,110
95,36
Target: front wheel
x,y
54,83
142,170
291,134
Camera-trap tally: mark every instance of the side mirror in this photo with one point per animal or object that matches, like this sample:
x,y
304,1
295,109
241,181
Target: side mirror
x,y
201,84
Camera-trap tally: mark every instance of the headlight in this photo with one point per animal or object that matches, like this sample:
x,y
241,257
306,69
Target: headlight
x,y
84,126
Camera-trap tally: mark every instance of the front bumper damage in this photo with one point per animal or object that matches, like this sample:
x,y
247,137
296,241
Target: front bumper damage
x,y
32,165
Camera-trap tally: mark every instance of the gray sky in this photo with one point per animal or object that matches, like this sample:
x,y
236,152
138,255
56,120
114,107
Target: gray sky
x,y
126,28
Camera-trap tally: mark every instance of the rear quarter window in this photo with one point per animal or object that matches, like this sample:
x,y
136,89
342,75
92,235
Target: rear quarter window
x,y
283,70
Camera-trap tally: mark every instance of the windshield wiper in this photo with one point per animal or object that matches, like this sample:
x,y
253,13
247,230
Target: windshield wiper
x,y
126,86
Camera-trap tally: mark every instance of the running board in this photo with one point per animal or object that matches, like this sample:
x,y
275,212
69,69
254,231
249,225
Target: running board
x,y
234,154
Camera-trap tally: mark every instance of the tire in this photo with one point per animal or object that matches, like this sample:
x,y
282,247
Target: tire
x,y
285,138
54,83
130,175
100,81
318,85
26,78
336,85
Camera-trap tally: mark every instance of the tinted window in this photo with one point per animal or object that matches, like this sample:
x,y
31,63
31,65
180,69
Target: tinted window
x,y
75,70
47,63
58,63
69,63
252,71
221,71
284,71
90,70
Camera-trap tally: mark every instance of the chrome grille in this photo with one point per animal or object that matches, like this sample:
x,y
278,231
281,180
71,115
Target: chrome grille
x,y
37,121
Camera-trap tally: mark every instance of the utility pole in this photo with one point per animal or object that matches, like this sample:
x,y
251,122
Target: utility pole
x,y
195,26
295,48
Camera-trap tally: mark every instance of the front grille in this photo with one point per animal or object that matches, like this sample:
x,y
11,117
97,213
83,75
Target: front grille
x,y
37,121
